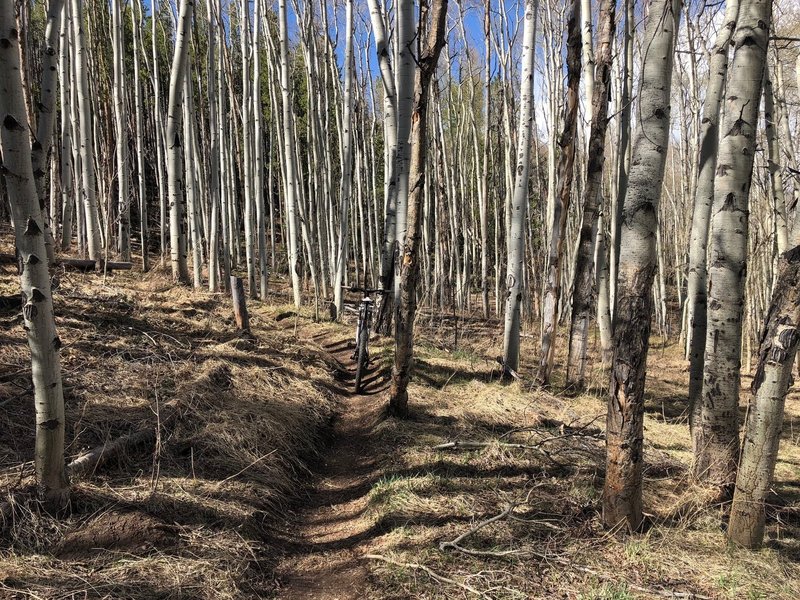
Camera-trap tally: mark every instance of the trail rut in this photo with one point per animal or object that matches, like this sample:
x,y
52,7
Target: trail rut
x,y
330,530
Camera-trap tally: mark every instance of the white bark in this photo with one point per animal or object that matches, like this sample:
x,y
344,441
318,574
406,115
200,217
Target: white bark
x,y
519,203
716,435
290,164
37,308
177,201
86,141
345,187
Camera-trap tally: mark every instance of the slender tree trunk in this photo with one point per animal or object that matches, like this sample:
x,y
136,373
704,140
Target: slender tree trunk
x,y
428,57
160,142
773,163
67,171
290,164
405,98
484,204
46,113
566,168
258,143
622,492
121,132
584,292
92,216
623,165
37,309
177,200
136,22
345,187
697,283
519,203
716,439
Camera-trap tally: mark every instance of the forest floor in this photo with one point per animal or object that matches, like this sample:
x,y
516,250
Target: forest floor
x,y
269,478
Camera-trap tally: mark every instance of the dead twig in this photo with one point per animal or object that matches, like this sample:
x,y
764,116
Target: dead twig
x,y
431,573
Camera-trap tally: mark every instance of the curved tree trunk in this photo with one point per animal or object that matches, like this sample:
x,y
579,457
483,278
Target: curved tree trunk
x,y
771,381
622,491
409,274
716,434
37,309
519,203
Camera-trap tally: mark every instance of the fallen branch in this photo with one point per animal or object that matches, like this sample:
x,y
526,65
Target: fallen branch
x,y
92,459
455,544
433,574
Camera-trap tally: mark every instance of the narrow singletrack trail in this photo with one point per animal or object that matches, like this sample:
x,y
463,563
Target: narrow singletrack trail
x,y
329,531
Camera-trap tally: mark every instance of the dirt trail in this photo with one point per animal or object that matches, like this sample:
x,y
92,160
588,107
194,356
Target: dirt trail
x,y
324,560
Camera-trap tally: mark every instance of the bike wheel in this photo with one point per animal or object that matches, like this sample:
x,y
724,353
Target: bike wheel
x,y
362,359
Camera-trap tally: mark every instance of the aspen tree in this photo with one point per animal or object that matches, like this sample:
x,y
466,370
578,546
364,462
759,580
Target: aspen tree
x,y
427,59
345,187
177,200
37,310
86,139
404,86
67,168
158,120
137,14
697,280
258,147
289,157
46,113
566,168
584,292
716,433
247,148
622,491
519,203
121,132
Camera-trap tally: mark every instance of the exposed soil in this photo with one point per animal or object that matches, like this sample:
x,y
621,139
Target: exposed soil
x,y
330,527
119,532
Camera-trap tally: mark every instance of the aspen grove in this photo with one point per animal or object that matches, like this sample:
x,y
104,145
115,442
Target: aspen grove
x,y
580,188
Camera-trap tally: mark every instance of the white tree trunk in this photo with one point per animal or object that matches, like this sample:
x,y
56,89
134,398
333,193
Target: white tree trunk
x,y
86,142
622,492
177,200
345,187
289,159
37,307
716,434
121,131
697,283
519,203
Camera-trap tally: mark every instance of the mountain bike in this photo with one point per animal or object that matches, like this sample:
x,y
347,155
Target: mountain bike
x,y
361,352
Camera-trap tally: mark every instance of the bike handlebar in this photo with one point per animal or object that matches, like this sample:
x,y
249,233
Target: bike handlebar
x,y
366,291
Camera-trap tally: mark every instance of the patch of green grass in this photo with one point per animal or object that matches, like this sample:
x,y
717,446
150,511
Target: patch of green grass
x,y
729,583
607,591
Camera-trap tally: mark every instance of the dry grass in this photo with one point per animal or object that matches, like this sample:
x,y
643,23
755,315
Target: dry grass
x,y
238,419
558,545
202,515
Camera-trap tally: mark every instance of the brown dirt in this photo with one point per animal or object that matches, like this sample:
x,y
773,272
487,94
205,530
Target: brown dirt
x,y
330,530
121,532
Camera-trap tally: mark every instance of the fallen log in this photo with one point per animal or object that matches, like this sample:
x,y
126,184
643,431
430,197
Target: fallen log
x,y
79,264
